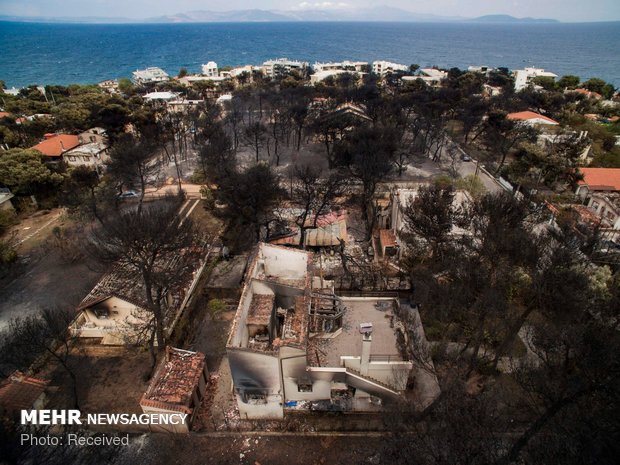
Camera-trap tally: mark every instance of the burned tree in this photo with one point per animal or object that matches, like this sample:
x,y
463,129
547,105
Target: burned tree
x,y
159,246
315,194
46,333
371,151
132,163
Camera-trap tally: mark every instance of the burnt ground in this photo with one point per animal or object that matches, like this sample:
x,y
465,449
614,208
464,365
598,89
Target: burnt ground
x,y
45,276
110,379
252,450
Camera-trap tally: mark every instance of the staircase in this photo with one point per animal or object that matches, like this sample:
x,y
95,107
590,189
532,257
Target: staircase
x,y
368,379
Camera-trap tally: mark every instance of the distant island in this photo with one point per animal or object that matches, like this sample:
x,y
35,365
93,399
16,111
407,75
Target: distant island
x,y
507,19
376,14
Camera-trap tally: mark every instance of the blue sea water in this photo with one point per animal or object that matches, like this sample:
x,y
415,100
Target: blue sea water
x,y
73,53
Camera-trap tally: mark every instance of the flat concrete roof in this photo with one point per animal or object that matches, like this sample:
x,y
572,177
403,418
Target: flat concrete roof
x,y
349,341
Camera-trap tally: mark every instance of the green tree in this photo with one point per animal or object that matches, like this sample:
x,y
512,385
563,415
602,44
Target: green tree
x,y
23,171
568,82
249,197
598,85
546,82
126,87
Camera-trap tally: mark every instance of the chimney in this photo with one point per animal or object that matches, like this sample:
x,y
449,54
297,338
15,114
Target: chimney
x,y
365,360
366,330
62,146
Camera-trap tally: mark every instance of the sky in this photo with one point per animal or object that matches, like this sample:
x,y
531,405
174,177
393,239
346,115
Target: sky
x,y
563,10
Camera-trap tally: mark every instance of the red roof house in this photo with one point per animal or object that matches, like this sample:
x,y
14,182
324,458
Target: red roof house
x,y
601,179
178,386
55,145
21,392
531,117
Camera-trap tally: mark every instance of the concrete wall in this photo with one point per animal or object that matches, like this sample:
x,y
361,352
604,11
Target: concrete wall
x,y
284,263
182,428
259,373
294,363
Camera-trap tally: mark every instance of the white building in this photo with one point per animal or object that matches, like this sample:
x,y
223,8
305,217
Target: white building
x,y
282,66
210,69
320,76
189,80
93,155
109,85
359,66
385,67
549,139
531,118
391,218
235,72
523,77
161,96
295,344
115,312
606,205
430,76
149,75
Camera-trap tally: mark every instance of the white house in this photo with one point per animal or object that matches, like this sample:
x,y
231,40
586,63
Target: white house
x,y
116,309
93,155
161,96
5,200
149,75
430,76
359,66
282,66
523,77
210,69
295,344
549,139
607,208
320,76
235,72
391,218
386,67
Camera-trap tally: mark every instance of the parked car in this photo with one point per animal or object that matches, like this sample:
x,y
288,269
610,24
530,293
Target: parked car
x,y
465,157
129,195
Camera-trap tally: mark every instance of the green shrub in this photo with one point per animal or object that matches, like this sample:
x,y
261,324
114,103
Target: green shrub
x,y
215,307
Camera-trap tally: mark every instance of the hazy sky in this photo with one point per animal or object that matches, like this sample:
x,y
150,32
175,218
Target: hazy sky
x,y
564,10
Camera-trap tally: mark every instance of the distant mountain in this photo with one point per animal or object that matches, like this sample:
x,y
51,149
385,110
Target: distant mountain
x,y
507,19
234,16
69,19
376,14
381,13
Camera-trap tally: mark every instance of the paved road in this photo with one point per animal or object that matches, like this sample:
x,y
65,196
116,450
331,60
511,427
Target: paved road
x,y
192,191
468,168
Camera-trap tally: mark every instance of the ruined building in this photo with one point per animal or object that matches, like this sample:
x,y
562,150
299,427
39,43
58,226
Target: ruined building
x,y
295,344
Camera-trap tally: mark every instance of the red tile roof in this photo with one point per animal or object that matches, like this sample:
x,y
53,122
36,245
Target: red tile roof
x,y
588,93
20,392
4,114
601,179
57,145
529,115
174,382
387,238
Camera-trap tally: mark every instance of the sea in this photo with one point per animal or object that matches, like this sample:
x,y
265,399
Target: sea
x,y
37,53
